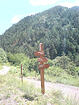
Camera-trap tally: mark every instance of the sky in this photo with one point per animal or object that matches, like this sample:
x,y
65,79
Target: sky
x,y
12,11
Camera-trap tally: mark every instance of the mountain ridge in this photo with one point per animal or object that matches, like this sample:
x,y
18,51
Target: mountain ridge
x,y
57,28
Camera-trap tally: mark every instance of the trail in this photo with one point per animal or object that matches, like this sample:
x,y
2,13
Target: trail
x,y
68,91
5,70
71,92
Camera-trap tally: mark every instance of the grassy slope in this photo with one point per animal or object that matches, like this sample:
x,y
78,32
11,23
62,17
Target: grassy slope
x,y
14,92
60,76
0,67
56,75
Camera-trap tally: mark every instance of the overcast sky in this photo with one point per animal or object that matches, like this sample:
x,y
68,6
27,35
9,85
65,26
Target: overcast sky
x,y
12,11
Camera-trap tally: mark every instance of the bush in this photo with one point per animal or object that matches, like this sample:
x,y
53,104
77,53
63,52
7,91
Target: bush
x,y
30,65
50,62
54,71
3,56
77,71
16,59
77,60
65,63
33,65
27,63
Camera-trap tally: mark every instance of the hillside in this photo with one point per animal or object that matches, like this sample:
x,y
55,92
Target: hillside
x,y
57,28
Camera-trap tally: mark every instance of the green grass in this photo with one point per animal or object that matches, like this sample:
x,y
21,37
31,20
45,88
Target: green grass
x,y
64,79
1,67
12,88
58,75
72,101
54,74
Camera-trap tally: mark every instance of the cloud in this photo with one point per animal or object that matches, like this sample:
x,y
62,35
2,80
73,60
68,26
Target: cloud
x,y
42,2
15,19
70,4
66,3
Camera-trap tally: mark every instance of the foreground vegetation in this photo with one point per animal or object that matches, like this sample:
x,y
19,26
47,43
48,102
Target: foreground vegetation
x,y
62,69
12,90
1,67
24,93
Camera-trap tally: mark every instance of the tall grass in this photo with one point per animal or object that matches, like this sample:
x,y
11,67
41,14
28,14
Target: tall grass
x,y
71,101
52,74
57,74
26,94
30,94
1,67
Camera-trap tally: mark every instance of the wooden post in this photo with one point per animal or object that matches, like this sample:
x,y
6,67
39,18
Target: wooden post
x,y
21,73
42,81
42,65
42,72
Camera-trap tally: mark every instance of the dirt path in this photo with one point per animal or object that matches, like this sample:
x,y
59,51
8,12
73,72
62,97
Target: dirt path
x,y
68,91
4,70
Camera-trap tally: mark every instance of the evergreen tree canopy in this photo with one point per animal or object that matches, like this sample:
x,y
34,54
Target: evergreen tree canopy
x,y
57,28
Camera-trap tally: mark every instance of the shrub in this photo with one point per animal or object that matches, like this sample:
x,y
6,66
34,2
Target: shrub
x,y
77,71
16,59
65,63
33,65
3,56
77,59
50,62
30,65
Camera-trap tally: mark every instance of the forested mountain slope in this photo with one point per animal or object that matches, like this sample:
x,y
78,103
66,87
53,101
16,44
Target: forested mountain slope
x,y
57,28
